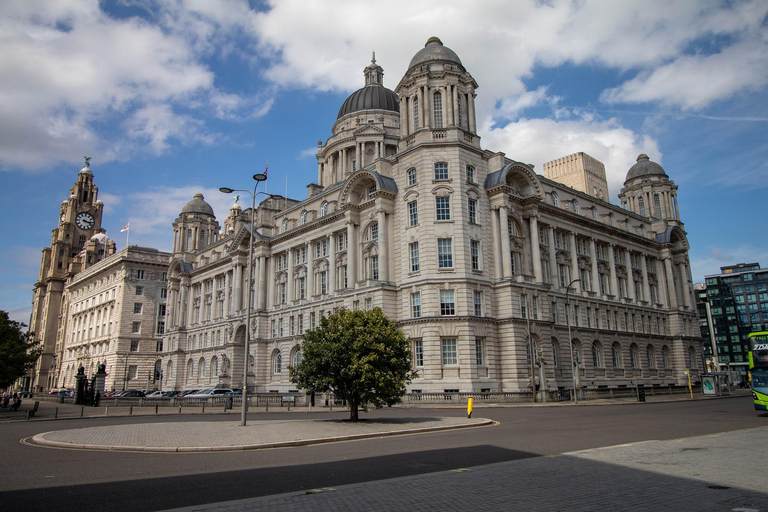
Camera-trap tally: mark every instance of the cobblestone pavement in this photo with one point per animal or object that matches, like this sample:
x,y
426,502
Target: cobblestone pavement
x,y
230,435
722,472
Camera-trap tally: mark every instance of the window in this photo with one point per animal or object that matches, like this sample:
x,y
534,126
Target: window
x,y
303,217
321,248
324,209
449,352
474,250
472,209
633,360
664,357
555,200
437,109
575,206
657,206
554,312
616,355
132,372
641,206
139,290
411,176
651,356
374,231
416,304
612,219
414,252
441,171
478,303
471,174
418,353
374,267
134,346
161,310
324,278
415,113
444,253
368,304
135,326
523,305
285,225
163,293
277,362
479,352
201,366
596,359
302,287
139,274
297,357
137,307
413,213
594,213
447,303
160,327
443,208
341,238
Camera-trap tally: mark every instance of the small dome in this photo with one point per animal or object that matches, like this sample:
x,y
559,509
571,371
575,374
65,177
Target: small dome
x,y
434,50
644,167
370,97
86,170
198,205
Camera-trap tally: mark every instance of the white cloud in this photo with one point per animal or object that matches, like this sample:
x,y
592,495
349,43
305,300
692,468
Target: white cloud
x,y
708,261
537,141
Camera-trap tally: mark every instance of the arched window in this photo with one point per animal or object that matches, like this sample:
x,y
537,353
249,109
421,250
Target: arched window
x,y
650,355
641,206
437,109
324,209
201,366
616,355
169,371
555,200
555,352
612,219
411,176
665,357
597,360
285,225
214,367
303,217
575,206
691,357
415,113
634,361
594,213
296,357
277,362
190,370
656,206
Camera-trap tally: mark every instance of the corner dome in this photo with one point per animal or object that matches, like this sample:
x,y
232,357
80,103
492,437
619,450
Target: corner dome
x,y
198,205
644,167
370,97
434,50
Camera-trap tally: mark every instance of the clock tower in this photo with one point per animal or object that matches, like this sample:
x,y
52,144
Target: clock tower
x,y
77,241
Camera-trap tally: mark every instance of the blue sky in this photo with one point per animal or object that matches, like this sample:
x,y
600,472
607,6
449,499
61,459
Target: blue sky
x,y
172,98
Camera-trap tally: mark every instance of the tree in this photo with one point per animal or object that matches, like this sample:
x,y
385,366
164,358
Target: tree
x,y
361,356
17,354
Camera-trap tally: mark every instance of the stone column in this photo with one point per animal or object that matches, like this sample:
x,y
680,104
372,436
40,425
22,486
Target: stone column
x,y
630,277
262,298
595,271
289,278
496,241
227,287
238,284
612,263
677,208
533,227
670,278
383,246
660,282
684,301
403,116
552,257
574,262
506,249
183,307
646,284
310,271
455,99
331,264
471,108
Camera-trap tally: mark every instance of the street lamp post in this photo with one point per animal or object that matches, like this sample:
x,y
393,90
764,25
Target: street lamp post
x,y
570,339
257,177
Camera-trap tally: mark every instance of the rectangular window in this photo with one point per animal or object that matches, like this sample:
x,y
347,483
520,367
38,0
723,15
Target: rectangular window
x,y
135,326
301,324
472,208
589,317
479,352
418,353
437,109
292,325
416,304
554,312
139,290
134,346
368,304
478,303
375,266
413,213
450,356
356,305
414,252
160,327
444,253
523,305
281,327
324,281
140,274
132,371
441,171
312,320
443,208
474,250
302,287
471,174
447,303
137,307
576,316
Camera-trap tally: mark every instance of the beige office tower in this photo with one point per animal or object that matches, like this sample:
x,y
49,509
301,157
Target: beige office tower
x,y
579,171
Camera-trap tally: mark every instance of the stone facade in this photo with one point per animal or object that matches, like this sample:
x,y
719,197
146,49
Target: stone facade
x,y
472,253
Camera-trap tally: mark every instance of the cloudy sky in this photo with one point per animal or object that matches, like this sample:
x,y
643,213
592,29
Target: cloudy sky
x,y
176,97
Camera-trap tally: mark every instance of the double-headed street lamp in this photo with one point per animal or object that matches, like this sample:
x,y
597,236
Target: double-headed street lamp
x,y
257,177
570,339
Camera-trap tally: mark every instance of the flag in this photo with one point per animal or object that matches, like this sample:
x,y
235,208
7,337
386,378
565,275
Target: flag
x,y
125,228
82,253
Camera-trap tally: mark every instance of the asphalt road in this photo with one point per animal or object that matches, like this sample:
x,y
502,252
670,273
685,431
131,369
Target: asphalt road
x,y
33,478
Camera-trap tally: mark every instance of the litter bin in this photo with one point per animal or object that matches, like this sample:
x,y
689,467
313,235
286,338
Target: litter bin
x,y
229,402
640,395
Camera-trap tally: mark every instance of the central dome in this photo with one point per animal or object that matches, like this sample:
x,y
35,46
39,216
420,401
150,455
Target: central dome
x,y
645,167
370,97
434,50
198,205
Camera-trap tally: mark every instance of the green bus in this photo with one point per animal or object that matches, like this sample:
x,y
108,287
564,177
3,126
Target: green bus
x,y
758,369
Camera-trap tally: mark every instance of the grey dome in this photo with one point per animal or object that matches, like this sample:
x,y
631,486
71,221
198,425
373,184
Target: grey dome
x,y
434,50
644,167
370,97
198,205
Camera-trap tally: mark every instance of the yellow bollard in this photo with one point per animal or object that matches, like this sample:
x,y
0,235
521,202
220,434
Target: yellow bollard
x,y
470,402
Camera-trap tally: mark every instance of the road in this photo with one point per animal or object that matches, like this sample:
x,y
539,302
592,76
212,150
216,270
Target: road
x,y
32,478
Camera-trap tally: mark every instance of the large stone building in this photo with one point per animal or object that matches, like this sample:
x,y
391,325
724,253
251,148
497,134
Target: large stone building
x,y
472,253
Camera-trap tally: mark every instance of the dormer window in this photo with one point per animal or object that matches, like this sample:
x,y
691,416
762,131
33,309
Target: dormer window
x,y
324,209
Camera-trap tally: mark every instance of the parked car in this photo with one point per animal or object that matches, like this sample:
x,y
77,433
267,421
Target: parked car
x,y
161,394
131,393
208,393
235,392
187,392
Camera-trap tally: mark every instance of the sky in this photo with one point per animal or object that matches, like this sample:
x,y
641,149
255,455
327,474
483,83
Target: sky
x,y
170,98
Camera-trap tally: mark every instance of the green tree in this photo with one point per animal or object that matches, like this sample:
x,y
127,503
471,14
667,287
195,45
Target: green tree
x,y
360,356
17,354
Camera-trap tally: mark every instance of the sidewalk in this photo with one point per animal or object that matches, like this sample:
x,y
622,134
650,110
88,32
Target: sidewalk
x,y
700,474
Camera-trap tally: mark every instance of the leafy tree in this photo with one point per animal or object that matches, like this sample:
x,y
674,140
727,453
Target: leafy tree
x,y
361,356
17,354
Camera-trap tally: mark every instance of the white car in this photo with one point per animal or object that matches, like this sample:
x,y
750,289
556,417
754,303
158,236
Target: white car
x,y
208,393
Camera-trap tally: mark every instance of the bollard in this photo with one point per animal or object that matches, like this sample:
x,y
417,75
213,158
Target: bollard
x,y
470,402
56,413
289,406
156,408
331,405
179,409
27,414
130,411
106,411
267,405
82,410
203,408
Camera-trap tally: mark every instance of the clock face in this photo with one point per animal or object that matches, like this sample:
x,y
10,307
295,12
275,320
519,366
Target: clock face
x,y
84,220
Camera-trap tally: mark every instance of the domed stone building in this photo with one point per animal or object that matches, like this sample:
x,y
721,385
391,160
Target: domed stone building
x,y
502,278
